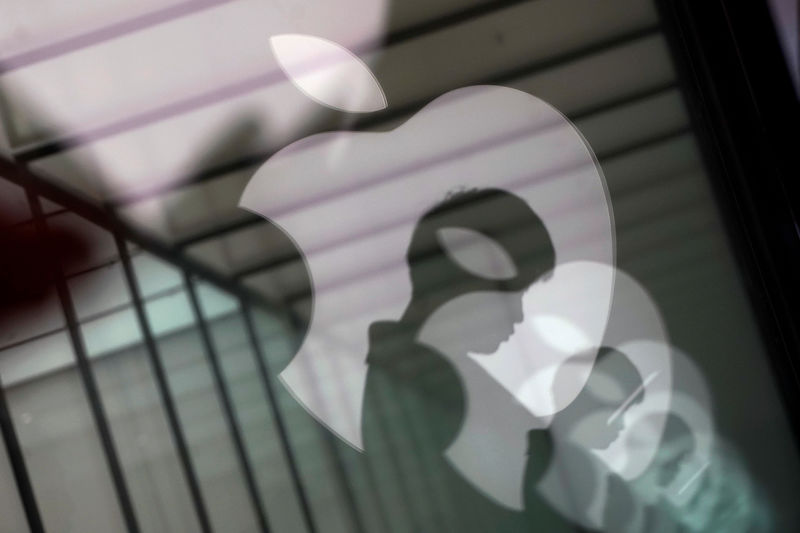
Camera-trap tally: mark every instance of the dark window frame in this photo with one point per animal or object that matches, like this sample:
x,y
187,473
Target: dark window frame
x,y
746,115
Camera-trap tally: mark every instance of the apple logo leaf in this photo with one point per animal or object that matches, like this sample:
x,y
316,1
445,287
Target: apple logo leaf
x,y
476,253
328,73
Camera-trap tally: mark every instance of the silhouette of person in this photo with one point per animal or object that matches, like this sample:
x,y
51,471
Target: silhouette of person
x,y
683,492
415,401
561,471
643,504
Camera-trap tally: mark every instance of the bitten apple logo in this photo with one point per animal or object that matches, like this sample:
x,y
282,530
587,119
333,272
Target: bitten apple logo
x,y
352,201
556,367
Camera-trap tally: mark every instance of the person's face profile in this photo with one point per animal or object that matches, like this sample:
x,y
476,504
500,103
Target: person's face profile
x,y
476,322
596,418
601,427
483,252
676,448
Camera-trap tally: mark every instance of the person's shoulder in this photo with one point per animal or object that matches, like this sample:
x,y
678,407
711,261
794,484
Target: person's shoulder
x,y
393,347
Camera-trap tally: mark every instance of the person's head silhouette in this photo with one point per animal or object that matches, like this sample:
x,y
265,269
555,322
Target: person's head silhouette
x,y
470,259
595,418
676,445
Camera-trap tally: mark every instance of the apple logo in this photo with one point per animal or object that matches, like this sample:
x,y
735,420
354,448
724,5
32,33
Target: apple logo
x,y
350,202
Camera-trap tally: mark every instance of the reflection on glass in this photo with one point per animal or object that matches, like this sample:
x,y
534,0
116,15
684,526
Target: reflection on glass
x,y
11,510
156,483
198,404
63,453
230,341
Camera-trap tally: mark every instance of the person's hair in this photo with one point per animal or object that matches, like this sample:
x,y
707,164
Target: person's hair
x,y
500,215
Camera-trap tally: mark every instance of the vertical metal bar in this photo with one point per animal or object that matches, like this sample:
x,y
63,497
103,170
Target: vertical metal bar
x,y
227,406
277,416
162,383
17,460
341,473
327,438
85,371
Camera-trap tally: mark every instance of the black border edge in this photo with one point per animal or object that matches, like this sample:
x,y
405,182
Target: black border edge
x,y
746,116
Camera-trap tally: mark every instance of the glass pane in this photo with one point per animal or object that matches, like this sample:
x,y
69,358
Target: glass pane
x,y
325,465
113,340
233,347
633,395
144,441
198,404
57,433
10,504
